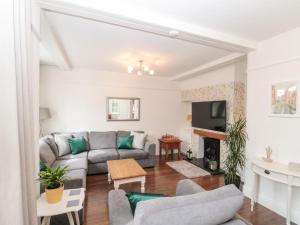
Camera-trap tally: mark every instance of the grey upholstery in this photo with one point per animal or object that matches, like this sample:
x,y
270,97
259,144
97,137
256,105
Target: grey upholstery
x,y
73,164
102,155
121,133
71,156
49,139
101,140
119,208
132,154
188,187
62,143
46,154
188,209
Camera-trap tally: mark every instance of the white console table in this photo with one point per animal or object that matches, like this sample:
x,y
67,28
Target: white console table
x,y
277,172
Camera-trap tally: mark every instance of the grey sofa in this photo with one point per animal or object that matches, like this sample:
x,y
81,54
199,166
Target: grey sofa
x,y
192,205
101,146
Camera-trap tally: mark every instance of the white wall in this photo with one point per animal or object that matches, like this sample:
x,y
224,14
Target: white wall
x,y
10,189
277,59
77,100
220,76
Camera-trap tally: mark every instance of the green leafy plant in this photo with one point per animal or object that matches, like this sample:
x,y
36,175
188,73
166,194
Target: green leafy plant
x,y
235,140
53,177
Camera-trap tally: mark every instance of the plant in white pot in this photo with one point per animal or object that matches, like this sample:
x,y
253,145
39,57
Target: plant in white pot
x,y
53,179
235,141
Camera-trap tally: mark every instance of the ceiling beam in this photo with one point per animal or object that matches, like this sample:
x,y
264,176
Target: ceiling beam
x,y
155,25
213,65
53,44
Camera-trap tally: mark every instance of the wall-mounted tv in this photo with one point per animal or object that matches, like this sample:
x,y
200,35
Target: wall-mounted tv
x,y
209,115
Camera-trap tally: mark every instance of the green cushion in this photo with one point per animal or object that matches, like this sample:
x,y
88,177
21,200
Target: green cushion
x,y
125,142
135,197
77,145
43,166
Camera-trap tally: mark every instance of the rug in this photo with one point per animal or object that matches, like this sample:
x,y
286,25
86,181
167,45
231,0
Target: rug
x,y
187,169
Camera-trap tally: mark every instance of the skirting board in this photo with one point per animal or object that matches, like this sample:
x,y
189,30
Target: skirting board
x,y
273,205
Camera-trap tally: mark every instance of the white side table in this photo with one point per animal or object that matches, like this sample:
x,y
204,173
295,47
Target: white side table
x,y
72,201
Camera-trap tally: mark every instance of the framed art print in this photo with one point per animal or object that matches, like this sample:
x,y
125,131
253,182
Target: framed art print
x,y
284,98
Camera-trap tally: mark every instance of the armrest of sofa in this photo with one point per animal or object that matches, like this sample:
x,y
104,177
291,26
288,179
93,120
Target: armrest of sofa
x,y
188,187
150,148
119,210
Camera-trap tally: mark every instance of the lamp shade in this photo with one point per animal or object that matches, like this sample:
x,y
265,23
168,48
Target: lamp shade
x,y
189,117
44,113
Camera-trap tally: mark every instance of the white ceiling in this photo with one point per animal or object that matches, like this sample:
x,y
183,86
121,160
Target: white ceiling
x,y
101,46
251,19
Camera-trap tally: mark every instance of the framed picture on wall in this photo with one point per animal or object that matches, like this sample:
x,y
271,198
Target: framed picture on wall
x,y
284,99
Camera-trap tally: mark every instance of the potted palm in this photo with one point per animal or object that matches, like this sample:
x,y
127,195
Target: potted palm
x,y
235,141
53,179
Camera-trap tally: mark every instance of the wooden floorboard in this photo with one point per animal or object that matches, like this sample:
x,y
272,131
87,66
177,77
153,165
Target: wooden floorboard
x,y
163,179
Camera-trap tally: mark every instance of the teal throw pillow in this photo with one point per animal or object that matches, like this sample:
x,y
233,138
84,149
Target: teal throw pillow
x,y
135,197
43,166
77,145
125,142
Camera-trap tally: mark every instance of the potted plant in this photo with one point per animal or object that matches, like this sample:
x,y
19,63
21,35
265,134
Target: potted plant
x,y
235,141
53,179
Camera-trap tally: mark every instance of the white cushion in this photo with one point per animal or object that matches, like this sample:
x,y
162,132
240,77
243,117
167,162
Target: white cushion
x,y
138,140
62,143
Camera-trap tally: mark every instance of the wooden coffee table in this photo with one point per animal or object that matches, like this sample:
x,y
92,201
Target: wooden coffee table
x,y
125,171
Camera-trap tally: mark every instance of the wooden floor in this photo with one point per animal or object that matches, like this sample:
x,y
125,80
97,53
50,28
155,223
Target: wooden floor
x,y
163,179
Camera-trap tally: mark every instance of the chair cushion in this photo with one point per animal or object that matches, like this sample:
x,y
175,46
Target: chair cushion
x,y
102,140
192,209
102,155
46,154
73,164
62,143
133,154
71,156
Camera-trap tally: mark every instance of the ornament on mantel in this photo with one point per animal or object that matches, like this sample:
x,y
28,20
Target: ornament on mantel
x,y
268,155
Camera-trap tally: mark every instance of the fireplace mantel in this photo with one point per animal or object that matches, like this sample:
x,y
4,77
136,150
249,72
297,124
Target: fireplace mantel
x,y
210,134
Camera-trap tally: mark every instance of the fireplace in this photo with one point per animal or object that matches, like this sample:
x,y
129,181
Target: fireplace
x,y
211,153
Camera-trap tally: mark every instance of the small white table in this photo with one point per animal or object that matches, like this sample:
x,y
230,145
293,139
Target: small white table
x,y
72,201
277,172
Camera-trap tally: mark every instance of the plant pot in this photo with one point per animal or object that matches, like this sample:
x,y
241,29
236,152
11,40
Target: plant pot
x,y
236,180
54,195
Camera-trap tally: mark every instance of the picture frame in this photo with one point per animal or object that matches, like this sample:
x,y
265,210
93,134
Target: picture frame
x,y
284,99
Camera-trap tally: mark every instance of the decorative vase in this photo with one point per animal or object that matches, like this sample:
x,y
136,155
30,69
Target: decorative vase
x,y
236,180
54,195
189,154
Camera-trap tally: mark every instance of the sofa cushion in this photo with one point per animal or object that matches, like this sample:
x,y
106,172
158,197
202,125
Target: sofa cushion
x,y
49,139
125,142
122,133
71,156
62,143
46,154
102,140
77,145
73,164
192,209
133,154
102,155
85,135
139,140
76,179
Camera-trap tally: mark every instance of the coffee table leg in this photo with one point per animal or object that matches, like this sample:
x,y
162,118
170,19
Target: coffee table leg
x,y
77,218
143,184
70,217
116,185
109,178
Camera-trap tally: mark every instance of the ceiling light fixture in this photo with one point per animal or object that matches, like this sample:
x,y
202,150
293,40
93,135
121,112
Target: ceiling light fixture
x,y
141,69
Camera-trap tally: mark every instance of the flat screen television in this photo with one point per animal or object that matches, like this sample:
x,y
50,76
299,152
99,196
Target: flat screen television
x,y
209,115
